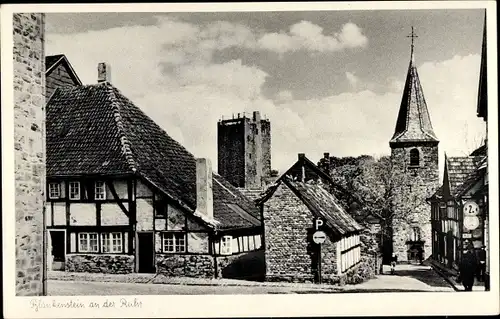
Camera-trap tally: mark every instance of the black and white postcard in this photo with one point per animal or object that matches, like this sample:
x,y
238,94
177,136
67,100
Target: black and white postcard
x,y
250,159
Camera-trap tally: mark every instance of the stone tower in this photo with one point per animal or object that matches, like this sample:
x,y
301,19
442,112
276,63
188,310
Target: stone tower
x,y
29,150
244,150
414,171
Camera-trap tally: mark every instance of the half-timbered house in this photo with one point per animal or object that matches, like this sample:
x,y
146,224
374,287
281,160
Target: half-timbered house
x,y
123,196
463,187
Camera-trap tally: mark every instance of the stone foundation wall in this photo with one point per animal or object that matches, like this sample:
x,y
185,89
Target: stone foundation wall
x,y
108,264
200,266
29,138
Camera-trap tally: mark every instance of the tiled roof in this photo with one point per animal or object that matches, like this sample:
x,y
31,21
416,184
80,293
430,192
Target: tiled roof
x,y
460,170
94,129
322,203
252,194
413,123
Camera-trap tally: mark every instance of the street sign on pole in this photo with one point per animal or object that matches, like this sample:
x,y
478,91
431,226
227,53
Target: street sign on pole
x,y
319,237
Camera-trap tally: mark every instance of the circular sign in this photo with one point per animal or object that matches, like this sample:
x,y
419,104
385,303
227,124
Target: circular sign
x,y
471,208
319,237
471,222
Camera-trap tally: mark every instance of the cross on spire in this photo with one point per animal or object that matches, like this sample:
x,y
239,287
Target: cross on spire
x,y
412,36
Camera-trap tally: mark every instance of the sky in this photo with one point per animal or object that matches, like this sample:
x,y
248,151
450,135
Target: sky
x,y
329,81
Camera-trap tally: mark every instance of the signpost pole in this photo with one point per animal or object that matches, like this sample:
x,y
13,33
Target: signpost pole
x,y
319,265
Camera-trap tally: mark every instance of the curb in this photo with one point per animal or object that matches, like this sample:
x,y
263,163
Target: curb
x,y
445,277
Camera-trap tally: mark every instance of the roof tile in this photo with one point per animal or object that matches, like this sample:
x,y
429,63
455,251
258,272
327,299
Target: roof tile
x,y
94,129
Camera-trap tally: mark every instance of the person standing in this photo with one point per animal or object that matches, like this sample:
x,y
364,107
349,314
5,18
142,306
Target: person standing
x,y
468,268
394,261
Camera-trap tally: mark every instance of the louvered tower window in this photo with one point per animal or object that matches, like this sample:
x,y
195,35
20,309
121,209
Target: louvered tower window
x,y
414,157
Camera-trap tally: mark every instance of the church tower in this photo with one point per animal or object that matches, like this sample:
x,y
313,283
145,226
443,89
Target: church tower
x,y
414,171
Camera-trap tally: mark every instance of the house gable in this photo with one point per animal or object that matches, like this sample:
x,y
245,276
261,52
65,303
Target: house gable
x,y
59,73
286,219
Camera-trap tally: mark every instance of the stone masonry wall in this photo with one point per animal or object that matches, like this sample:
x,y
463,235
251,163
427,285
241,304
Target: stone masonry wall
x,y
266,148
289,252
414,185
231,151
29,137
253,152
200,266
107,264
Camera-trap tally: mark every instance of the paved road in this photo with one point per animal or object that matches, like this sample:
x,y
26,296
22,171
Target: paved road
x,y
408,278
72,288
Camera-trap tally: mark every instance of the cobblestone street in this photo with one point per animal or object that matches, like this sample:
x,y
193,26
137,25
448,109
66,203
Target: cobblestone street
x,y
408,278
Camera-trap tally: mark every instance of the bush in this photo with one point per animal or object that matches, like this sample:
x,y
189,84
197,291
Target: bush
x,y
363,271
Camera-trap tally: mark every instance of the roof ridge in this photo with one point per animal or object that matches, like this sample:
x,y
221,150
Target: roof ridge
x,y
125,143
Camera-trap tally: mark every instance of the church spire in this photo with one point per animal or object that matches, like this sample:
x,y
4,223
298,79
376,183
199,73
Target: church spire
x,y
413,123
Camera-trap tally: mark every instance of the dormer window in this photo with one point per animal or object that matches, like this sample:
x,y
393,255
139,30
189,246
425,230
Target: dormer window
x,y
414,158
74,190
100,190
54,190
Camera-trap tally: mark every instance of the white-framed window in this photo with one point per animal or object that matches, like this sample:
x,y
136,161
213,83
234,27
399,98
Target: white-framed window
x,y
111,242
87,243
74,190
225,245
174,242
54,190
99,190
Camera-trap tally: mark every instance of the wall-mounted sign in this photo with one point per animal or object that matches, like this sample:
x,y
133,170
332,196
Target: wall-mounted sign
x,y
471,208
467,235
471,222
319,237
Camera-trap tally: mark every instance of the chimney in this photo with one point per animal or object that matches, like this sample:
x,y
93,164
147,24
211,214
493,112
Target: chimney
x,y
326,163
103,72
204,194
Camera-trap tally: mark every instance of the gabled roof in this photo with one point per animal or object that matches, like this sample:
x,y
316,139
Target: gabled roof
x,y
304,169
323,204
52,61
459,169
311,185
413,123
460,174
96,130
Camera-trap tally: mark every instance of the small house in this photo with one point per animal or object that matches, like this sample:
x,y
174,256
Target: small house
x,y
297,208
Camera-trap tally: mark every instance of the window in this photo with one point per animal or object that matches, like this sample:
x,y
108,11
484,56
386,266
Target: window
x,y
225,245
414,157
54,190
161,208
415,234
100,190
87,242
111,242
174,242
74,190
